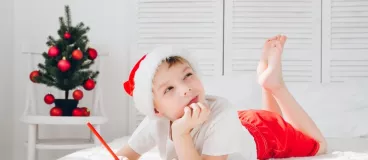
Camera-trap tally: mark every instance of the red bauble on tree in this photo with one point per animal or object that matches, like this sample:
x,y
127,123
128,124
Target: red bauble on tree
x,y
64,65
56,111
49,98
77,54
77,94
53,51
33,75
89,84
92,53
67,35
77,112
86,111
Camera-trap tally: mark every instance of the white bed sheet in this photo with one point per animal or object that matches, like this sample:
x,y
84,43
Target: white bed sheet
x,y
339,149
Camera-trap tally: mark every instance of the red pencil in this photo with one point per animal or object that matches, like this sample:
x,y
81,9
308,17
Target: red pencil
x,y
102,140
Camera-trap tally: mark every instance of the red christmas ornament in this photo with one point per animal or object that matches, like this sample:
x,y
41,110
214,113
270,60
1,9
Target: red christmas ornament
x,y
86,111
92,53
77,112
33,75
64,65
89,84
77,54
49,98
67,35
53,51
56,111
77,94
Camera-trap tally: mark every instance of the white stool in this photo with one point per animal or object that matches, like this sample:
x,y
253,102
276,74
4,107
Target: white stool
x,y
34,143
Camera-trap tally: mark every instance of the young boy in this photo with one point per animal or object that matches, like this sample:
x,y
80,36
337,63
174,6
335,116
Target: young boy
x,y
186,124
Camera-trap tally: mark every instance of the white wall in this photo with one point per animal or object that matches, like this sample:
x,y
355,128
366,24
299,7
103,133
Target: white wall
x,y
6,80
34,21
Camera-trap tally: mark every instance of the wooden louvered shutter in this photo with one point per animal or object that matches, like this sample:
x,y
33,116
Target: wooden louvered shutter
x,y
194,24
248,23
345,40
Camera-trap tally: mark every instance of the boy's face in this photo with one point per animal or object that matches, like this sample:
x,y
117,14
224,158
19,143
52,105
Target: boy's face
x,y
175,87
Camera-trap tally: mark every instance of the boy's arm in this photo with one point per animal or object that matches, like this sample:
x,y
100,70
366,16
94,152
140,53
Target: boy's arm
x,y
183,142
128,153
185,149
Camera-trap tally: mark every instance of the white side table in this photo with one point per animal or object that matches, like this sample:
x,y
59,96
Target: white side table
x,y
34,144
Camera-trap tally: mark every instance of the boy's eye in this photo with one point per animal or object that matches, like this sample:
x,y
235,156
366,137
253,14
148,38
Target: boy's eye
x,y
168,89
188,75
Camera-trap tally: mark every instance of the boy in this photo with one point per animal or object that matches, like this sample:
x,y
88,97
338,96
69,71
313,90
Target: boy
x,y
186,124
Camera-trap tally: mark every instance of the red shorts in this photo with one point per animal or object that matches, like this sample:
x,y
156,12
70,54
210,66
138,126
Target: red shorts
x,y
274,137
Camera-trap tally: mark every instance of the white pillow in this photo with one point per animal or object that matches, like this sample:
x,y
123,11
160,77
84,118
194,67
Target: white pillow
x,y
340,109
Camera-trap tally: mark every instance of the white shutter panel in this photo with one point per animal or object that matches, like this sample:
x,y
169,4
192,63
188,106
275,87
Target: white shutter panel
x,y
248,23
345,40
194,24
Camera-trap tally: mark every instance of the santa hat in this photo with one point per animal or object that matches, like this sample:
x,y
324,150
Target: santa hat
x,y
139,84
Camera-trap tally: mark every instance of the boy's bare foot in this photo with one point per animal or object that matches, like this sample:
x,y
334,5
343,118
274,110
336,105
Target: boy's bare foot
x,y
263,62
269,68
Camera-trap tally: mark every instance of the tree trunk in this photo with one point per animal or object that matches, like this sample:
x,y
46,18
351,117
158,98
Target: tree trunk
x,y
66,94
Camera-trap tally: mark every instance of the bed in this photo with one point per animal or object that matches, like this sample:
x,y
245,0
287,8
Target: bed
x,y
339,149
344,126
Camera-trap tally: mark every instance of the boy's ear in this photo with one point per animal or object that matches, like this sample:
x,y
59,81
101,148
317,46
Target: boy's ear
x,y
159,114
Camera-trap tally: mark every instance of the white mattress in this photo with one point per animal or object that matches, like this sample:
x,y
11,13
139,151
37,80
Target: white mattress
x,y
339,149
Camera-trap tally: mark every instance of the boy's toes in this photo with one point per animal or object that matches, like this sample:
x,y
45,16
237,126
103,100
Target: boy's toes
x,y
278,37
273,38
283,40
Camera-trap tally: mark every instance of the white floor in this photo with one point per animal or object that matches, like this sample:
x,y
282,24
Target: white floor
x,y
339,149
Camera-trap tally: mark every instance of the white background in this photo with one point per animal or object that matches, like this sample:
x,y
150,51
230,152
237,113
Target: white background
x,y
6,82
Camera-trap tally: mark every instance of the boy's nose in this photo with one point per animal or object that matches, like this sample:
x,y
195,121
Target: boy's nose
x,y
187,91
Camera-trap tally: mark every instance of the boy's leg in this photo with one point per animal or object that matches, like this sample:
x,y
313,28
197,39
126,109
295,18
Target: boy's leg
x,y
293,113
268,101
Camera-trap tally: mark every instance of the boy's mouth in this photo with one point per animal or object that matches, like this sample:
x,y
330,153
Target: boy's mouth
x,y
194,100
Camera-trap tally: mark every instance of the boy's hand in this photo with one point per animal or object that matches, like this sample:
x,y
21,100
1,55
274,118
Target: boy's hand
x,y
193,116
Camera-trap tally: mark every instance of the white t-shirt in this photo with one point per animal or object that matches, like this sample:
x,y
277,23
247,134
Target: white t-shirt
x,y
221,134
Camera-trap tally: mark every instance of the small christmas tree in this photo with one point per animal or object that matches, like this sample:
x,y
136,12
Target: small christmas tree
x,y
67,61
